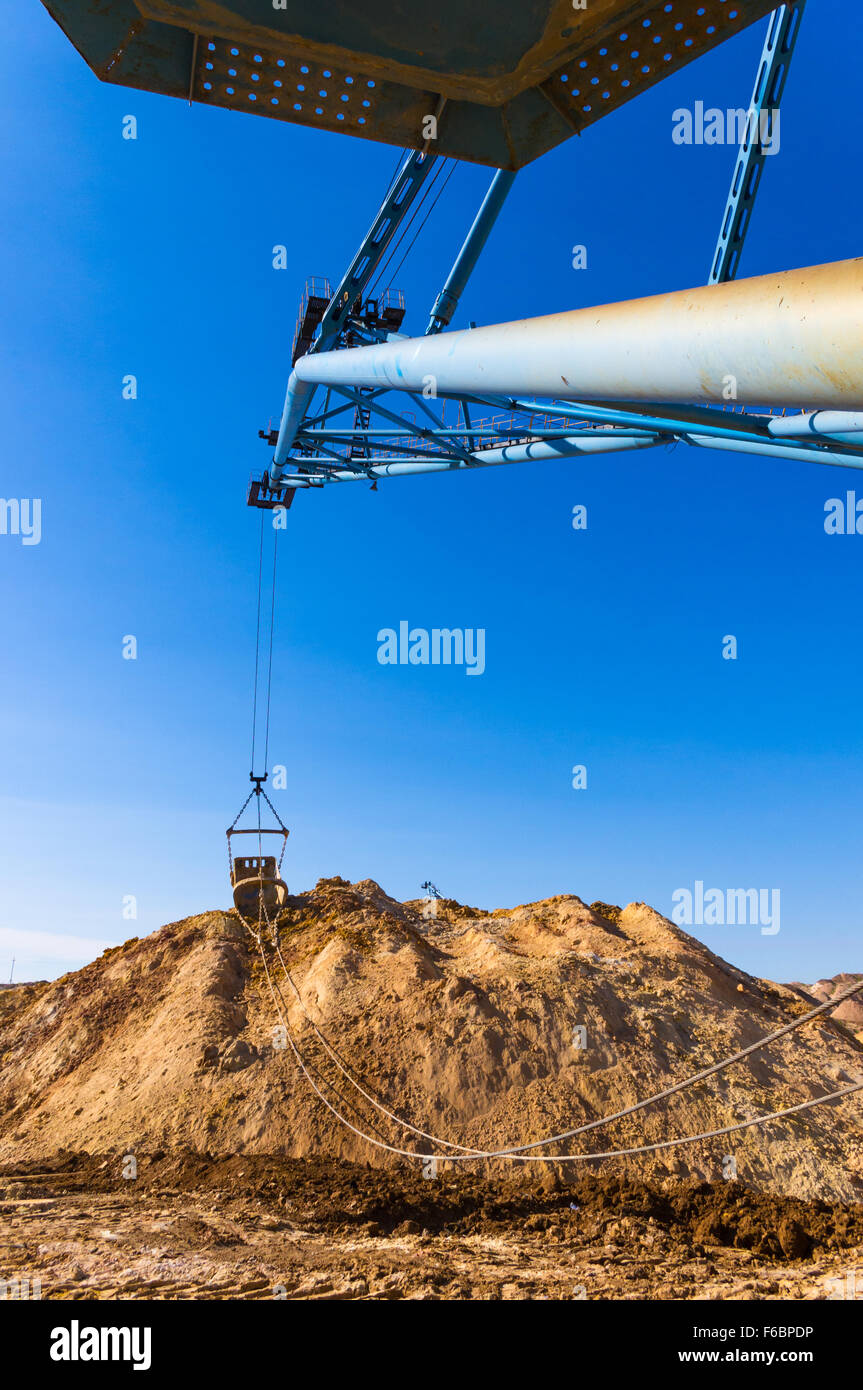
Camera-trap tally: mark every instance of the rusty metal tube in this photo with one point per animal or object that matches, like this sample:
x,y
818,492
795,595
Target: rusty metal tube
x,y
790,338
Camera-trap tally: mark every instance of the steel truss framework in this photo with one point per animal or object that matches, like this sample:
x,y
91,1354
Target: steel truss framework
x,y
357,434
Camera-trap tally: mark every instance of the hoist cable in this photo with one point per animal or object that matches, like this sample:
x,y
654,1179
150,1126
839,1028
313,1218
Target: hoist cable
x,y
393,250
257,647
422,224
270,659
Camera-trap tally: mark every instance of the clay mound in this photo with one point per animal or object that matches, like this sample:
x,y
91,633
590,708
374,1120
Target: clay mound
x,y
466,1023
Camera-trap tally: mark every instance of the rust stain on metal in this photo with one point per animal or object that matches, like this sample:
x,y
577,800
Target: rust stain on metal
x,y
135,28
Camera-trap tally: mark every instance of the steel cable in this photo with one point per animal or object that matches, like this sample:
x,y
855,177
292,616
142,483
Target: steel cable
x,y
517,1155
257,645
270,661
520,1153
392,250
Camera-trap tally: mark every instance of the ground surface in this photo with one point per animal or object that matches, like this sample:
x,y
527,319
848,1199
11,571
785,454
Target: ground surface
x,y
256,1227
486,1029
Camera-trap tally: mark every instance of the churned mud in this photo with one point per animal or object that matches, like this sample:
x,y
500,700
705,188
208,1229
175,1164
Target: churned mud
x,y
262,1227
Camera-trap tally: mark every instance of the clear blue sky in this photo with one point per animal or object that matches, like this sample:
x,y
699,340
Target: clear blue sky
x,y
154,257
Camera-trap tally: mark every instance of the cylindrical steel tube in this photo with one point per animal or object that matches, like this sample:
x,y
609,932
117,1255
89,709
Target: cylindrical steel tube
x,y
790,338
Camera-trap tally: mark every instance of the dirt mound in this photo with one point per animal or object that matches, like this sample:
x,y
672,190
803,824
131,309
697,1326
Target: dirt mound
x,y
851,1012
486,1028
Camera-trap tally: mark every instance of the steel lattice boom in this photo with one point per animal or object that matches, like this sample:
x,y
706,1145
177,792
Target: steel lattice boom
x,y
500,85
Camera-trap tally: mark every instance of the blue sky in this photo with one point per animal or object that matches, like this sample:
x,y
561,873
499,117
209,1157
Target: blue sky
x,y
603,648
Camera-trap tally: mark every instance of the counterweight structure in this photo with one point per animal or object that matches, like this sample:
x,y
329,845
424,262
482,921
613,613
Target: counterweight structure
x,y
506,80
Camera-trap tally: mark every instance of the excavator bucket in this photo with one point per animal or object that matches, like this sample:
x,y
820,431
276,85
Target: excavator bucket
x,y
258,890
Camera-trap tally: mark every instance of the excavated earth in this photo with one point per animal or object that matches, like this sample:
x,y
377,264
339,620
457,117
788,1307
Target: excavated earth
x,y
157,1137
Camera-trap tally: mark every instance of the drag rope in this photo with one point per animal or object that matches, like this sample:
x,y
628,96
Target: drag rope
x,y
593,1124
521,1153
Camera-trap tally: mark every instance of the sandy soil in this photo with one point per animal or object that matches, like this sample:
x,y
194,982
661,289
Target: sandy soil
x,y
466,1023
487,1028
258,1227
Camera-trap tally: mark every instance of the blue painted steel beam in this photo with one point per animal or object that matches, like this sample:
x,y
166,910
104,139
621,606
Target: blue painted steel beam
x,y
782,31
833,458
453,431
699,429
455,451
447,301
327,414
408,183
583,443
400,198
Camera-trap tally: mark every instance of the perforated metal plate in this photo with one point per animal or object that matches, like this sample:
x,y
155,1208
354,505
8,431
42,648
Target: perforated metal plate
x,y
659,39
506,88
245,78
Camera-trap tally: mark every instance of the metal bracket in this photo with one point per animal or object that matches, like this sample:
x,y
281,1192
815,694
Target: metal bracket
x,y
262,493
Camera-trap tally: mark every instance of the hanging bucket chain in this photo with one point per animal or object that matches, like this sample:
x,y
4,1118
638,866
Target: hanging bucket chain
x,y
267,879
281,829
258,781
